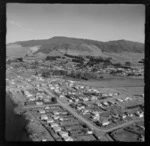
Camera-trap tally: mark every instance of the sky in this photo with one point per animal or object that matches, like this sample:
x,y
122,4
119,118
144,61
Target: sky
x,y
102,22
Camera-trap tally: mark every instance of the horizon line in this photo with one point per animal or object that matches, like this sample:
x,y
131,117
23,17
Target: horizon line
x,y
75,38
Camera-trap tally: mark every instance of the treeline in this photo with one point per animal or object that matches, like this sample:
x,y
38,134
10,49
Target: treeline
x,y
9,61
72,56
48,73
52,58
92,61
73,74
78,60
82,75
142,61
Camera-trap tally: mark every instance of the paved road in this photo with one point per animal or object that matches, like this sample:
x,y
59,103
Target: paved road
x,y
101,131
74,113
87,122
81,118
122,125
38,106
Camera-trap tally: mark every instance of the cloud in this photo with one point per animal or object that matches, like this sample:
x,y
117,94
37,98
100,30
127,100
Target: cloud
x,y
19,25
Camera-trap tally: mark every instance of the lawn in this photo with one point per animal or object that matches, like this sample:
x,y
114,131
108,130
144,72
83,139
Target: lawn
x,y
125,136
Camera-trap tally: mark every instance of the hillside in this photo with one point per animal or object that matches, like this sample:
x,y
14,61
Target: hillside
x,y
76,46
16,50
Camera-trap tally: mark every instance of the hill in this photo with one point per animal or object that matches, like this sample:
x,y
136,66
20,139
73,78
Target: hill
x,y
16,50
75,46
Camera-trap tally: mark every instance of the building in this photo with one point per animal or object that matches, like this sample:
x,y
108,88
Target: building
x,y
42,111
44,117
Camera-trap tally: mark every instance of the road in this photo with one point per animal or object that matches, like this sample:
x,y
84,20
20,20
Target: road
x,y
122,125
74,113
87,122
80,117
93,127
38,106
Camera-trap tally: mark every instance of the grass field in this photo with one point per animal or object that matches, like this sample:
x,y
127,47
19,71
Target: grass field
x,y
131,90
125,136
115,83
123,57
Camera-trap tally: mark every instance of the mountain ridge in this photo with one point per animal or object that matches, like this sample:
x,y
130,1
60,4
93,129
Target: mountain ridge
x,y
79,46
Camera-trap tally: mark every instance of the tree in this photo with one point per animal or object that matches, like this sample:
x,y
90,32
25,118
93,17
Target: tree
x,y
110,58
20,59
53,100
141,61
8,61
117,65
45,74
127,63
84,126
94,69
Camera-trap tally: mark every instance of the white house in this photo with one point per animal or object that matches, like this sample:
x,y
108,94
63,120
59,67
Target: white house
x,y
44,117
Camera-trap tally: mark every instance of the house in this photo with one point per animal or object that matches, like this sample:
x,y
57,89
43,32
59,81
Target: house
x,y
54,124
89,132
61,118
42,111
76,100
85,138
105,103
29,95
57,128
39,103
44,117
56,117
140,114
124,116
130,115
61,96
56,113
99,104
67,138
121,100
85,99
104,95
47,107
70,100
32,99
63,133
127,98
44,140
50,120
105,123
110,94
81,107
93,98
85,111
96,116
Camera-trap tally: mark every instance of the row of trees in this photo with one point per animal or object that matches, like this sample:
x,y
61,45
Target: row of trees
x,y
9,61
141,61
73,74
52,58
82,75
72,56
48,73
